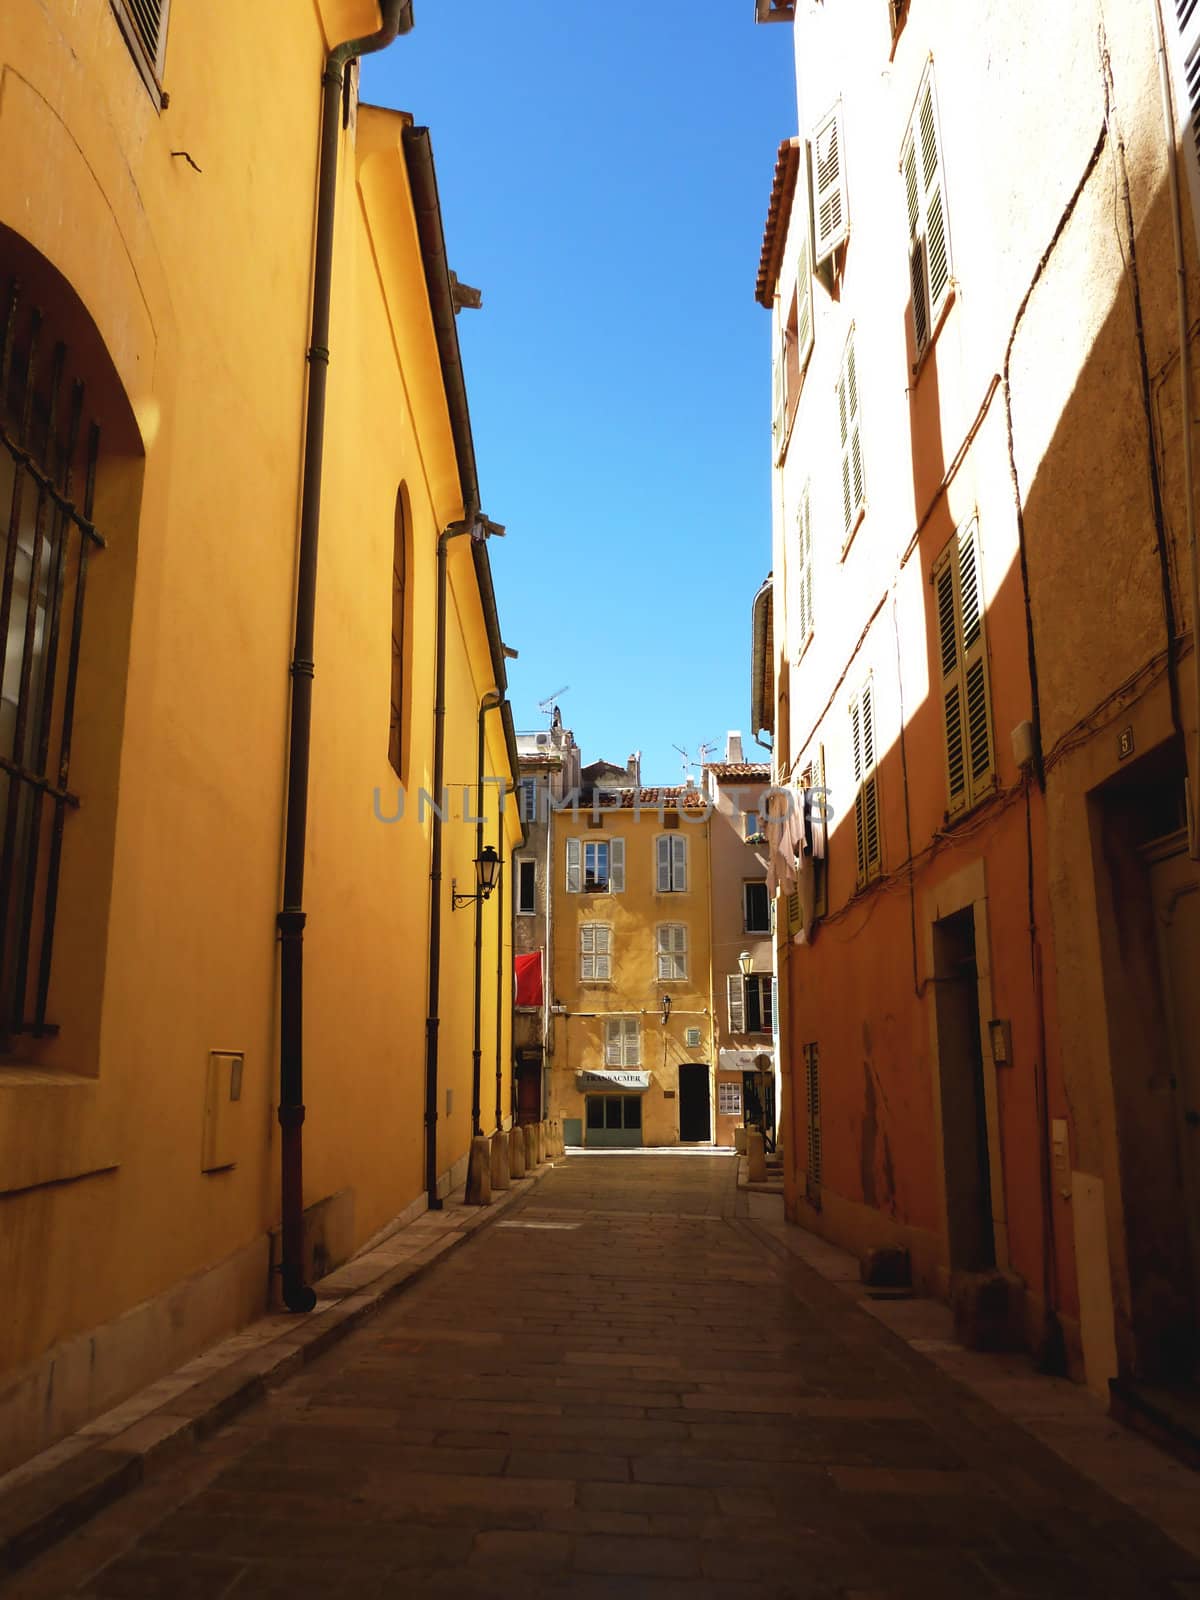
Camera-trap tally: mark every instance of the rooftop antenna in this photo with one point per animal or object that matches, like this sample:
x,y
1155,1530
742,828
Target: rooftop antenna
x,y
687,760
547,706
706,749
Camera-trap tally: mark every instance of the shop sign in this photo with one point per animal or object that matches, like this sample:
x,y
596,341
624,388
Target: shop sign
x,y
613,1080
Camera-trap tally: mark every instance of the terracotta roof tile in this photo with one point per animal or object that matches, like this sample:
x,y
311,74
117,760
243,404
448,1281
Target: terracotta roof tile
x,y
673,797
759,771
779,214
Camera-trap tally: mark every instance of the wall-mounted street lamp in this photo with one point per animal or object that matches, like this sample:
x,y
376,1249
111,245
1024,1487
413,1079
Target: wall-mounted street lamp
x,y
746,963
487,871
666,1009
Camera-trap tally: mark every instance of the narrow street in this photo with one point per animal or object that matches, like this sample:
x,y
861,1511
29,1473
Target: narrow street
x,y
619,1389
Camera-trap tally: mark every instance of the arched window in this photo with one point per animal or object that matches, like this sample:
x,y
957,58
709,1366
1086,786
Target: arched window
x,y
400,586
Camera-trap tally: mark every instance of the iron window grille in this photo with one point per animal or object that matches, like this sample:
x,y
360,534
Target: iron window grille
x,y
48,463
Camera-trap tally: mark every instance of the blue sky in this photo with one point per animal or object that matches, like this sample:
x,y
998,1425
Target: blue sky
x,y
604,175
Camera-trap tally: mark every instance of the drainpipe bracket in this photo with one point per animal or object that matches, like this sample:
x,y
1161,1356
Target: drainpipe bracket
x,y
290,1116
291,924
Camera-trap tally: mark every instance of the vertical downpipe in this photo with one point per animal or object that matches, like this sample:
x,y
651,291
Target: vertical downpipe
x,y
489,702
297,1295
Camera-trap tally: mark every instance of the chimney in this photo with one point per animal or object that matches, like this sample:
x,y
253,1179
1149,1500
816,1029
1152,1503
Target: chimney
x,y
733,747
634,769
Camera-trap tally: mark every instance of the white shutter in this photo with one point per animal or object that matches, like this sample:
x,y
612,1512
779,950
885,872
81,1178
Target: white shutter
x,y
804,299
587,952
1184,34
616,866
778,386
802,586
629,1033
664,864
672,951
853,489
831,214
573,871
612,1041
603,952
678,862
735,989
925,196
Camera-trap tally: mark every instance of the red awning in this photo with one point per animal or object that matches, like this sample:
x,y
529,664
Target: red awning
x,y
528,973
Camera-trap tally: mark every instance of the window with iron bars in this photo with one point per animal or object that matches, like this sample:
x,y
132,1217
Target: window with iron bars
x,y
48,460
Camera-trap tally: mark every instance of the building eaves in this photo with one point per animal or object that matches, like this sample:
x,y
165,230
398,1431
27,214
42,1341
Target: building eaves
x,y
756,771
779,214
679,797
762,662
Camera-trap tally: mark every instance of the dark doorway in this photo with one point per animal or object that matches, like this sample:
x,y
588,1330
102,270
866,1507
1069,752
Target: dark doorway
x,y
529,1088
964,1106
695,1118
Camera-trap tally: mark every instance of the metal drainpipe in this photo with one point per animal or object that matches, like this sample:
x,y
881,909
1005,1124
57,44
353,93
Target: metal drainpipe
x,y
397,18
509,788
433,1019
489,703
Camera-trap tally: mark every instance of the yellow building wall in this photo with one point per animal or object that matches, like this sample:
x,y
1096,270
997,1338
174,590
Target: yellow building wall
x,y
198,283
635,989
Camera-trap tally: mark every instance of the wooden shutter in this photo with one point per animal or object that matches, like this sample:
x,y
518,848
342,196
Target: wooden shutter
x,y
735,991
812,1086
616,866
766,987
678,862
603,951
794,918
866,796
1185,37
587,952
804,298
778,386
970,757
574,874
631,1054
663,878
831,215
803,587
612,1041
928,235
853,489
672,951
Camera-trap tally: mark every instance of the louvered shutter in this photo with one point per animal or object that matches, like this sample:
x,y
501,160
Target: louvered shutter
x,y
663,878
604,952
1185,32
831,215
612,1041
778,388
952,684
812,1077
866,795
851,438
970,754
678,862
803,585
148,21
735,991
587,952
616,866
629,1038
925,195
573,869
672,951
794,923
804,299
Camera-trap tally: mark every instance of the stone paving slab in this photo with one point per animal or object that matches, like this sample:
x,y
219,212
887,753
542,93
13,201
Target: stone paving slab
x,y
467,1442
44,1499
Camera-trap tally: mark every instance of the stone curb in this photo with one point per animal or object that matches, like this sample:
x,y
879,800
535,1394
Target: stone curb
x,y
115,1452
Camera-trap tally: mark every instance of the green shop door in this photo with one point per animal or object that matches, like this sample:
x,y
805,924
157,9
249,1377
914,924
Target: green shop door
x,y
614,1121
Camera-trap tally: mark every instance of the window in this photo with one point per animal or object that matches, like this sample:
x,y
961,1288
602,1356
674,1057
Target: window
x,y
399,634
756,907
672,951
595,865
729,1099
144,25
752,826
928,239
750,1002
853,490
970,762
866,792
527,799
800,598
49,460
622,1042
595,952
793,334
812,1090
613,1111
831,212
672,863
759,995
526,886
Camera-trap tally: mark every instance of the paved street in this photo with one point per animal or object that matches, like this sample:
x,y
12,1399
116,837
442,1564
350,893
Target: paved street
x,y
619,1389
